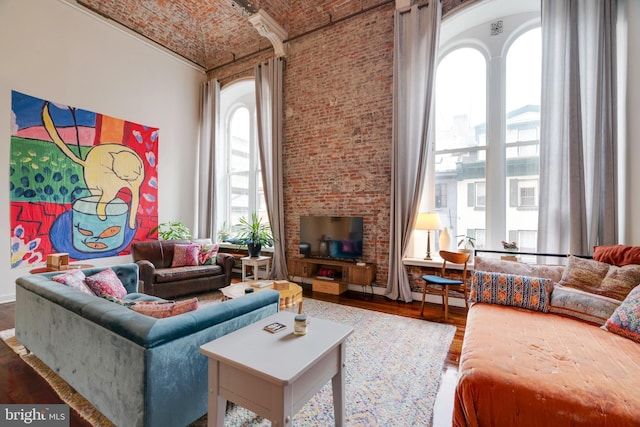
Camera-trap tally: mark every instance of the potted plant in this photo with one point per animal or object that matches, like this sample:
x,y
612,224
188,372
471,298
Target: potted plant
x,y
172,230
255,234
466,244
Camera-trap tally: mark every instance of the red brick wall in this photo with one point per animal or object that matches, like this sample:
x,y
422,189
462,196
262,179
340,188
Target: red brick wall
x,y
338,126
338,96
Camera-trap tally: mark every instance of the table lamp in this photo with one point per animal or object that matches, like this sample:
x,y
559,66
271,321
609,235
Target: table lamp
x,y
428,221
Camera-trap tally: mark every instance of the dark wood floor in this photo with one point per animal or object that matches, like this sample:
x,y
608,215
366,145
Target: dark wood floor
x,y
20,384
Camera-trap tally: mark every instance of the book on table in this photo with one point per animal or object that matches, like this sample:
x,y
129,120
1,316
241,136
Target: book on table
x,y
275,327
261,284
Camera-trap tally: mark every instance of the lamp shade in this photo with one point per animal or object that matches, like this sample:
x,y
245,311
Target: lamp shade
x,y
428,221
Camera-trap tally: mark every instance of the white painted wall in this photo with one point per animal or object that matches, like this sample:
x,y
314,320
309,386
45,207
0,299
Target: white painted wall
x,y
54,50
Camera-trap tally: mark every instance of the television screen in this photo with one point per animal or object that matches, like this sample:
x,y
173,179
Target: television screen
x,y
331,236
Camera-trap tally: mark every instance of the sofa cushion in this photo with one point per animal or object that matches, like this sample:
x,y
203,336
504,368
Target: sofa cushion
x,y
208,252
625,320
185,255
600,278
73,279
617,254
165,275
592,308
106,282
553,272
163,309
514,290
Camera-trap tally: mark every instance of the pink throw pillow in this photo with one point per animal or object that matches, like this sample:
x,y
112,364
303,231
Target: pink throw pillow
x,y
184,255
106,282
74,279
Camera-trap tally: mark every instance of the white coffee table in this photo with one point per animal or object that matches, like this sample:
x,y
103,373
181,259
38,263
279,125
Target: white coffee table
x,y
274,375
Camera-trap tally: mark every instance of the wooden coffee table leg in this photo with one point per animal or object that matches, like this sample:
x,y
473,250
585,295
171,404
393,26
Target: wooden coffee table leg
x,y
300,307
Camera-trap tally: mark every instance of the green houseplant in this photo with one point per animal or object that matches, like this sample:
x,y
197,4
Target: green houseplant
x,y
466,244
255,234
172,230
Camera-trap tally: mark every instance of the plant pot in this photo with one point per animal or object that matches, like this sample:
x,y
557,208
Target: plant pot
x,y
467,251
254,249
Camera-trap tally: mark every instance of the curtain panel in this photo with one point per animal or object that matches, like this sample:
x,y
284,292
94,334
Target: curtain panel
x,y
578,137
269,96
416,33
205,221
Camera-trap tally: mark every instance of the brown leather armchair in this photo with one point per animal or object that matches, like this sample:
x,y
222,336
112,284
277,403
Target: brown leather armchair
x,y
154,258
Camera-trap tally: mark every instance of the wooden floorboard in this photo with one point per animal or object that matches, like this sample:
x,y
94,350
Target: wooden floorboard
x,y
20,384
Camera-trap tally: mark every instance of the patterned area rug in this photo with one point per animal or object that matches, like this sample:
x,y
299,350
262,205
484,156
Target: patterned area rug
x,y
394,366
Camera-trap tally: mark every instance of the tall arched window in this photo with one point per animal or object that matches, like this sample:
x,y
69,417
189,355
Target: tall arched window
x,y
487,120
240,188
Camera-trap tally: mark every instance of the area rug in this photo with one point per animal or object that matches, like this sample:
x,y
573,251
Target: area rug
x,y
393,371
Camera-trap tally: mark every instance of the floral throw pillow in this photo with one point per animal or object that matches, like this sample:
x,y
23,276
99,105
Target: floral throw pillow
x,y
514,290
208,253
184,255
164,309
106,282
591,308
625,321
73,279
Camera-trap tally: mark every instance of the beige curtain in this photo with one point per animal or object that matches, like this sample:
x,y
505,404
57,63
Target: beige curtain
x,y
269,94
416,35
209,123
578,137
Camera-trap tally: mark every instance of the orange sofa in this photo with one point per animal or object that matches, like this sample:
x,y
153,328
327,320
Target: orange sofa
x,y
522,367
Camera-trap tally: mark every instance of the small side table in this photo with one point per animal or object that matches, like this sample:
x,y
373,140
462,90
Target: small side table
x,y
256,263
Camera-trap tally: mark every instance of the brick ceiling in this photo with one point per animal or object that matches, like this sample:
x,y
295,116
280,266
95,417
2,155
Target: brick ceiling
x,y
212,33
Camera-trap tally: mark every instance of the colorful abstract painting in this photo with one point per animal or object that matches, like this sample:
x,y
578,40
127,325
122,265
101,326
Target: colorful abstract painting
x,y
81,183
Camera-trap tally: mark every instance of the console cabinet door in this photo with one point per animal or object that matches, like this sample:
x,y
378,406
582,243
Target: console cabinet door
x,y
363,276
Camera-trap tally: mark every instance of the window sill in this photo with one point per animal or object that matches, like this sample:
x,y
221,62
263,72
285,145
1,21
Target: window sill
x,y
435,262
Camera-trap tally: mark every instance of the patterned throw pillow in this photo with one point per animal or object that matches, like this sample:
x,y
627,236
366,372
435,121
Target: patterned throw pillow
x,y
208,253
625,321
592,308
619,281
106,282
527,292
163,309
584,274
600,278
73,279
184,255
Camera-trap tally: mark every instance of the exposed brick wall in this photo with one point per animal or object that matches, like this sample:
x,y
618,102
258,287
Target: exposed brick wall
x,y
338,126
338,96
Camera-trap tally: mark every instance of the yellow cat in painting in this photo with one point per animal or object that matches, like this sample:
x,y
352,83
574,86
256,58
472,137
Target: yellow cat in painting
x,y
107,169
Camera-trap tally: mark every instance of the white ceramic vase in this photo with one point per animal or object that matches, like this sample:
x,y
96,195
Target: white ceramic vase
x,y
445,240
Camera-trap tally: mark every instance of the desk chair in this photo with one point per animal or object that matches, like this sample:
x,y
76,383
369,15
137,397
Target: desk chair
x,y
441,285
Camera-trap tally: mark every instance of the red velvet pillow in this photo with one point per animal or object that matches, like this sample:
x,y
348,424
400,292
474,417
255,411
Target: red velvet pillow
x,y
617,254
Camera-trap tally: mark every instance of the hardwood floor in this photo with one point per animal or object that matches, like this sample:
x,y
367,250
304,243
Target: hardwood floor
x,y
20,384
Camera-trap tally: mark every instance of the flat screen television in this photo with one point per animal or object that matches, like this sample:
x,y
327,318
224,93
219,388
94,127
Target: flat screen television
x,y
332,237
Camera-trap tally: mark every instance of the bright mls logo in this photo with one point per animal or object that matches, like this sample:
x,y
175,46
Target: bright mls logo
x,y
34,415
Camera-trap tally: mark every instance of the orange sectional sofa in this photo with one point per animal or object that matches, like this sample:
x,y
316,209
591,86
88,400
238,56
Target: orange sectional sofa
x,y
528,362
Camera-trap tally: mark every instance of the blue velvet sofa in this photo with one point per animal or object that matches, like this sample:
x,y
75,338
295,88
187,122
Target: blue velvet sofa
x,y
137,370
